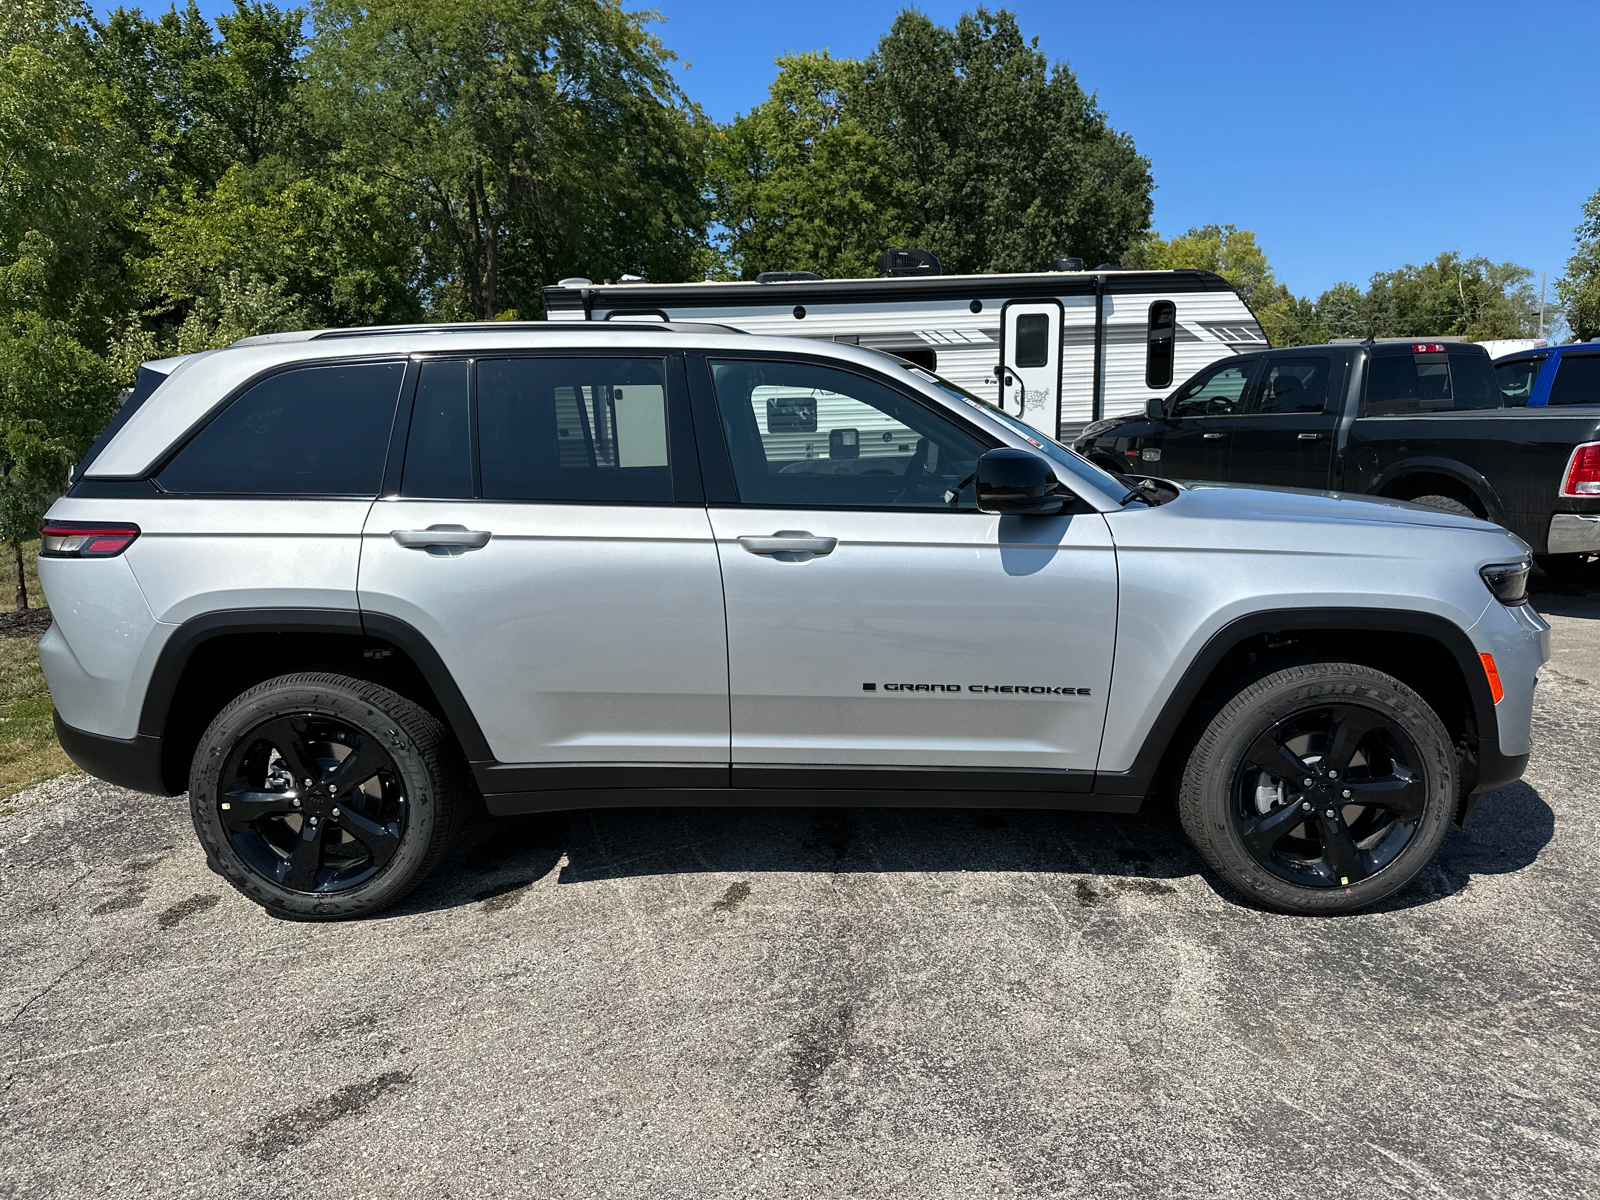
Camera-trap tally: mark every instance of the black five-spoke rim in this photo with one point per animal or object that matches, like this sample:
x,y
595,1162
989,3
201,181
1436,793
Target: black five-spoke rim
x,y
1330,796
312,803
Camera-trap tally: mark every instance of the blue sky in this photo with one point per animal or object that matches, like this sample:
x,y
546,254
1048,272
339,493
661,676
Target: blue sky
x,y
1351,137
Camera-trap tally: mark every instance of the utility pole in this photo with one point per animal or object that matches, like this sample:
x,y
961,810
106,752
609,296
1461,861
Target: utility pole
x,y
1542,275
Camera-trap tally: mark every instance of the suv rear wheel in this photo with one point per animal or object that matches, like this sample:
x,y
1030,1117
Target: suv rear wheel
x,y
1320,788
320,797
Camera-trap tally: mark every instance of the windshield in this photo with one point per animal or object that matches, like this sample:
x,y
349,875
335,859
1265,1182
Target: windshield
x,y
1079,466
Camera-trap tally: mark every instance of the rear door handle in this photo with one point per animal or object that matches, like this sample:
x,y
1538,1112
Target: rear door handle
x,y
455,536
1211,437
790,545
1310,437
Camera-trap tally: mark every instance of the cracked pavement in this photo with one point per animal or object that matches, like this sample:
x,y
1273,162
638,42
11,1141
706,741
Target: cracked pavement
x,y
811,1002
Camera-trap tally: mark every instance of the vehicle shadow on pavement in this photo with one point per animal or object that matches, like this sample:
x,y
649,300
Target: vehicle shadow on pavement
x,y
496,858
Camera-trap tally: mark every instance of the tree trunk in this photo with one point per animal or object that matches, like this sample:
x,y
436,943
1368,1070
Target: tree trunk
x,y
22,582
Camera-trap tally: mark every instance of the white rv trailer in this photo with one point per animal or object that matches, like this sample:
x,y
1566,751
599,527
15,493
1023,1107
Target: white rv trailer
x,y
1058,348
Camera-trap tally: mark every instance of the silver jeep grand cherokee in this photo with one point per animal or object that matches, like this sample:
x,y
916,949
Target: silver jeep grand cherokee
x,y
334,582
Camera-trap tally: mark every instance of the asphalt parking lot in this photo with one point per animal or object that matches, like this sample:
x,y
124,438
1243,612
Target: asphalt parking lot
x,y
709,1003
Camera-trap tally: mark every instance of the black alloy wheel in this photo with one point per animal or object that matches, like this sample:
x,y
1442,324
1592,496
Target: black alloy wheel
x,y
1330,796
315,804
1319,787
320,796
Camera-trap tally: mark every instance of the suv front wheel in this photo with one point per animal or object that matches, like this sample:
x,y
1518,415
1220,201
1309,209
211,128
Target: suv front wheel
x,y
322,797
1320,788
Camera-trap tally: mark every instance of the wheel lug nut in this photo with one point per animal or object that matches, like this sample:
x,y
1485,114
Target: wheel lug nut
x,y
1328,814
1333,774
314,820
1308,781
296,802
1305,806
308,783
335,812
1346,793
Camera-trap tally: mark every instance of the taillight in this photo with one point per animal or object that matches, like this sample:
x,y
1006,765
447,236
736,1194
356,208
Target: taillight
x,y
1583,471
84,539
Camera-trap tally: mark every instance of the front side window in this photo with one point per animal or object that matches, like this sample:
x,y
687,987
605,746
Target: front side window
x,y
310,431
807,435
1216,393
573,429
1293,385
1577,380
1516,380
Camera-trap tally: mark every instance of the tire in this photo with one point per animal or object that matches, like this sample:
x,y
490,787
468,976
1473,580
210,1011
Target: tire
x,y
1451,504
376,827
1570,568
1241,818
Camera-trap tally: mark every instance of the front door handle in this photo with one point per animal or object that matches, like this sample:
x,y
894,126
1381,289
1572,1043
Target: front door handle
x,y
1211,437
1310,437
448,539
790,545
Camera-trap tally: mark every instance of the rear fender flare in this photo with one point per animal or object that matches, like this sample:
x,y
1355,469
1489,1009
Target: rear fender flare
x,y
1464,475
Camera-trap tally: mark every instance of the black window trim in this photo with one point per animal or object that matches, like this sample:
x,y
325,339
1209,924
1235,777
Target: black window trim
x,y
717,461
407,385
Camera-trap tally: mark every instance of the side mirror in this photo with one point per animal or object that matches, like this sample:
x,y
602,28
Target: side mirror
x,y
1017,483
1156,408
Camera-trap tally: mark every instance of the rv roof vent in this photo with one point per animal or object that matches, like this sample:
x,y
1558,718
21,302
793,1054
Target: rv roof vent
x,y
1066,264
574,281
786,276
1108,267
892,264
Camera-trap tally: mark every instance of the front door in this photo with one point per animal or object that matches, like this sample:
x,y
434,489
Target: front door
x,y
875,617
1285,438
550,543
1030,359
1197,434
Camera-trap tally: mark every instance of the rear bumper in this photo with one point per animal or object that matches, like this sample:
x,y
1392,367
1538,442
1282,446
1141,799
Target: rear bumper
x,y
1574,533
127,762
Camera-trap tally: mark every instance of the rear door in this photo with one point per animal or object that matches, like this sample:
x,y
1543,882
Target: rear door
x,y
1285,437
550,541
1197,434
1030,353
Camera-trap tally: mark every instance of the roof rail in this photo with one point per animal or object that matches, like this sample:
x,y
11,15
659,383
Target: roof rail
x,y
363,331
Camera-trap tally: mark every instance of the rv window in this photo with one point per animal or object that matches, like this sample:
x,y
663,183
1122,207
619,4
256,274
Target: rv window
x,y
1159,344
1033,341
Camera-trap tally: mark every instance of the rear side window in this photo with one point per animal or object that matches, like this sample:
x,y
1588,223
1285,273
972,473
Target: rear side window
x,y
1472,381
1292,385
310,431
573,429
1577,380
438,449
1516,380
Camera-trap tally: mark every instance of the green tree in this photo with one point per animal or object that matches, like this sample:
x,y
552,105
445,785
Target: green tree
x,y
55,397
1579,288
538,138
1221,249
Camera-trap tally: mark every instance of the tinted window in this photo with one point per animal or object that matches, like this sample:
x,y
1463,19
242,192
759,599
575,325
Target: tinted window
x,y
312,431
1292,385
868,445
1577,380
573,429
1516,380
1400,383
1215,393
1160,344
438,453
1033,340
1472,381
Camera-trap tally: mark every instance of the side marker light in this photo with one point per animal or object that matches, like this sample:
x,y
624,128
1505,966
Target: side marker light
x,y
1489,670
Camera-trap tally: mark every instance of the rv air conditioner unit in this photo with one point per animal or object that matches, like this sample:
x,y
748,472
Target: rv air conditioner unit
x,y
893,264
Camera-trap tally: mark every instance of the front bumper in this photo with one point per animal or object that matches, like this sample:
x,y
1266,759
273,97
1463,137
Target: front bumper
x,y
1574,533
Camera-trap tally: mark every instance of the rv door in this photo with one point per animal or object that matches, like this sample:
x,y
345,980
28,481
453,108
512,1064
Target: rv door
x,y
1030,363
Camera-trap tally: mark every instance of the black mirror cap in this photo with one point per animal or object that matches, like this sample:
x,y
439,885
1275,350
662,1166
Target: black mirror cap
x,y
1155,408
1018,483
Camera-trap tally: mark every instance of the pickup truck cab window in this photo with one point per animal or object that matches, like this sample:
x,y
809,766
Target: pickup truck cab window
x,y
1577,380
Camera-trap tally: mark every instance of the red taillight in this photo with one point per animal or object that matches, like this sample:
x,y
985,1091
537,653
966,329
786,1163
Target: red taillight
x,y
1583,472
84,539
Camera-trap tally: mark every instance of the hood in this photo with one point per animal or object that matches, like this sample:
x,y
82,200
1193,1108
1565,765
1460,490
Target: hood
x,y
1246,502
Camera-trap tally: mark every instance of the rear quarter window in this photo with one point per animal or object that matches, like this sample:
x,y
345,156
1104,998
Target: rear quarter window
x,y
309,431
1426,383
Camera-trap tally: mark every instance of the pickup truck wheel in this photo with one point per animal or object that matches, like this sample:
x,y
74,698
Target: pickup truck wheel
x,y
1320,788
1570,568
321,797
1451,504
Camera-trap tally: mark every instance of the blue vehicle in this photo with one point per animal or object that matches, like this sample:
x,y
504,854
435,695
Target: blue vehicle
x,y
1551,376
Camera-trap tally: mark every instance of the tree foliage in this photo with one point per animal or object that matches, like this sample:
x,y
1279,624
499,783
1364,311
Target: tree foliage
x,y
967,142
1579,289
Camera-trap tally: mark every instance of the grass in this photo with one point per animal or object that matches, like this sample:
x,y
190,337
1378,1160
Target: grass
x,y
29,752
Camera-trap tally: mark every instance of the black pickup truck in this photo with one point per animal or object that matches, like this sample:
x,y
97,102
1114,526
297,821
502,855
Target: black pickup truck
x,y
1420,421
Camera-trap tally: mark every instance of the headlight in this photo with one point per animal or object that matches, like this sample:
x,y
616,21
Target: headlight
x,y
1508,581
